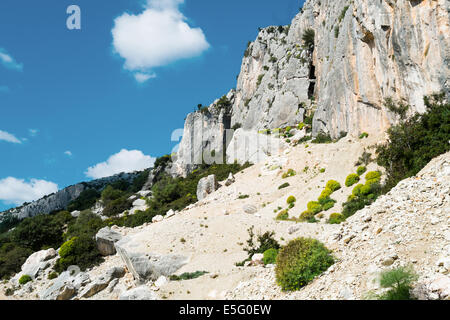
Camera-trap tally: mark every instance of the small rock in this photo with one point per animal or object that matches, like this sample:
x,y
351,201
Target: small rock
x,y
158,218
250,209
162,281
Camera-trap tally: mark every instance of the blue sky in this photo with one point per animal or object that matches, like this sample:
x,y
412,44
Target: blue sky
x,y
79,104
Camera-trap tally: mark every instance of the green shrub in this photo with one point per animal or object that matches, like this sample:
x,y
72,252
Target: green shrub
x,y
12,257
52,275
260,243
289,173
188,276
110,194
399,282
308,38
284,185
412,144
291,199
364,135
373,175
300,261
80,251
333,185
351,179
307,216
283,215
270,256
117,206
326,193
322,138
25,279
327,206
41,231
314,207
361,170
357,189
85,200
336,218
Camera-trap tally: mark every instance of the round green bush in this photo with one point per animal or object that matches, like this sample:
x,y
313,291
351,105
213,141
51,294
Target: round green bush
x,y
336,218
67,248
314,206
25,279
291,199
306,215
327,206
361,170
283,215
325,194
365,190
300,261
373,175
333,185
270,256
81,251
351,179
357,190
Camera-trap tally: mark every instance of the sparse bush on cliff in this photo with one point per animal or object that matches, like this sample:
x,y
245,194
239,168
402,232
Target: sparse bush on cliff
x,y
361,170
351,179
300,261
413,143
336,218
283,215
308,38
291,199
25,279
333,185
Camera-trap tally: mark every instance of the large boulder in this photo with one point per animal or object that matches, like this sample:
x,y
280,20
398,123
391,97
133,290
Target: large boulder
x,y
102,282
139,293
62,288
37,262
147,266
206,186
105,239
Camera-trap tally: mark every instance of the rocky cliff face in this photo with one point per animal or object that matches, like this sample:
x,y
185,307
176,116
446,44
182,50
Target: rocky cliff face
x,y
59,200
204,136
367,51
364,52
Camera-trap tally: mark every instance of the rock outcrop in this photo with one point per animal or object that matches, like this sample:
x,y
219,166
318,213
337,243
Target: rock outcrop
x,y
364,52
206,186
204,137
146,266
60,200
106,238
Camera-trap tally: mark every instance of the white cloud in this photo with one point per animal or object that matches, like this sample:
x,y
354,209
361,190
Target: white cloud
x,y
17,191
156,37
68,153
124,161
144,77
8,61
8,137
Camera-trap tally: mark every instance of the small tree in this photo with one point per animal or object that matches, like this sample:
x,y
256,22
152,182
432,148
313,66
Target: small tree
x,y
308,39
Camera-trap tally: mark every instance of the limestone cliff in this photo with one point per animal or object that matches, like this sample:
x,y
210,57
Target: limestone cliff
x,y
364,52
60,200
